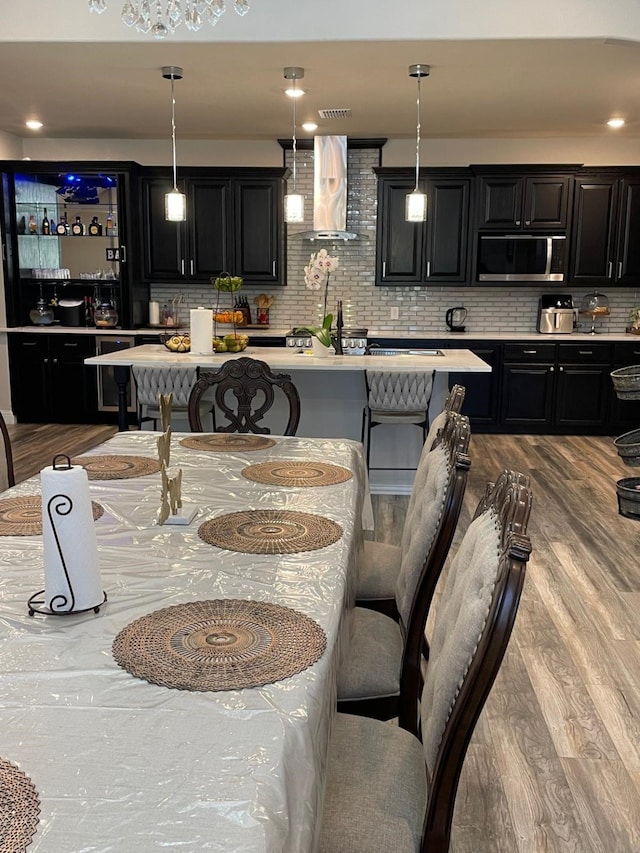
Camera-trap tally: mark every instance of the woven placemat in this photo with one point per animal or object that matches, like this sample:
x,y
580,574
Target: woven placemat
x,y
23,516
228,441
19,809
219,645
117,467
287,472
270,531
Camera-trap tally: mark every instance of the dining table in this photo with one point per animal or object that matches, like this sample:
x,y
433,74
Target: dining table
x,y
133,740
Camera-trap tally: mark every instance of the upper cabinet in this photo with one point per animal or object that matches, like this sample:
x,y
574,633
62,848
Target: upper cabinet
x,y
67,233
606,222
523,202
234,224
434,251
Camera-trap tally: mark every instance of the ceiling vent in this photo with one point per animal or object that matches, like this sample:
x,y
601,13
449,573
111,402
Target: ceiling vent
x,y
344,113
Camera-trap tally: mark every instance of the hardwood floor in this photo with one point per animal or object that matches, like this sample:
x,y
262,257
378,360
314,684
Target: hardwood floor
x,y
554,764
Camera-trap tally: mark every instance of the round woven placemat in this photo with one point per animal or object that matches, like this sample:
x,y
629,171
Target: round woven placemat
x,y
286,472
228,441
19,808
219,645
270,531
23,516
117,467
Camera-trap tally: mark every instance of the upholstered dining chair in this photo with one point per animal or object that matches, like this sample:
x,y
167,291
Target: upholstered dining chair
x,y
378,659
386,790
150,382
244,390
7,476
396,398
379,564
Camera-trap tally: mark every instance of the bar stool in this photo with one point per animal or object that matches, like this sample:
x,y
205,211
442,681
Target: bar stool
x,y
150,382
396,398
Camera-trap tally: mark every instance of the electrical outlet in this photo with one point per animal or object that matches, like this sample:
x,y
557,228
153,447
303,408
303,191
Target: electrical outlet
x,y
394,313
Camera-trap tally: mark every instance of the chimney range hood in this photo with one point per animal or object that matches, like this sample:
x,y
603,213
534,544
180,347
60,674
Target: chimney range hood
x,y
329,191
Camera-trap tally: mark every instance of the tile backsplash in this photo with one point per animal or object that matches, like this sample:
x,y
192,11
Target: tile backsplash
x,y
420,309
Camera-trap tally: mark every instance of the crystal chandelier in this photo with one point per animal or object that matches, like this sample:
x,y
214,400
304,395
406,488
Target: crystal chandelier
x,y
161,17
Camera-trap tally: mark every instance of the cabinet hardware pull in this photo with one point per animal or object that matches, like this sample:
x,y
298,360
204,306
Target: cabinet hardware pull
x,y
585,352
530,351
619,269
191,266
517,222
45,360
123,254
610,269
70,345
561,369
428,269
54,360
551,369
33,343
528,222
182,266
384,269
273,268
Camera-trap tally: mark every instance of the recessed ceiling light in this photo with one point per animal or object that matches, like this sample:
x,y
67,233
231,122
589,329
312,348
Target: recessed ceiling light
x,y
33,124
294,93
615,122
309,126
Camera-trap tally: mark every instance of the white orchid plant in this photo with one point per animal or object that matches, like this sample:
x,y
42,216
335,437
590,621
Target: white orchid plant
x,y
316,274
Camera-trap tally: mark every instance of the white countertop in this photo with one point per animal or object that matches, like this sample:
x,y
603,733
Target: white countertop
x,y
452,360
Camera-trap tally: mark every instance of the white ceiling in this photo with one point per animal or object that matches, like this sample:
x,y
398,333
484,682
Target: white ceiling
x,y
490,88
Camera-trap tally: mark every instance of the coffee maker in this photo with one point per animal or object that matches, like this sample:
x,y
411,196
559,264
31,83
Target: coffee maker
x,y
556,315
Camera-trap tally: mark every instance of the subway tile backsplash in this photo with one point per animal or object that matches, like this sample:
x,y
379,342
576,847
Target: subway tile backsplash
x,y
420,309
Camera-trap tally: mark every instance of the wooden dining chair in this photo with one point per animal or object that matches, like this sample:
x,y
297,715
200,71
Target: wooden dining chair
x,y
370,678
379,564
7,475
244,390
386,791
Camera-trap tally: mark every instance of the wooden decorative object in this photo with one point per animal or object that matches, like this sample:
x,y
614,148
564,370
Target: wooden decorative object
x,y
164,446
166,404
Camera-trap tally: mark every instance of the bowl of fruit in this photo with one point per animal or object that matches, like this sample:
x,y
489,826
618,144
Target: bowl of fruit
x,y
233,342
176,341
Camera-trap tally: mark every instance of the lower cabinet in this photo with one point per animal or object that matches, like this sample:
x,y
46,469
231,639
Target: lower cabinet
x,y
481,389
49,380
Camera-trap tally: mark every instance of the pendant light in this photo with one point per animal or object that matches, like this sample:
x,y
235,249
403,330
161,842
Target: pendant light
x,y
294,202
416,201
175,202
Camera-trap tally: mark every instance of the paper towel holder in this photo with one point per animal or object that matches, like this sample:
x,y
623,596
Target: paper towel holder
x,y
36,603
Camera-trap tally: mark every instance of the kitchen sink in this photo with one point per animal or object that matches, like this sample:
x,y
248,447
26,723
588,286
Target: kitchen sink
x,y
429,352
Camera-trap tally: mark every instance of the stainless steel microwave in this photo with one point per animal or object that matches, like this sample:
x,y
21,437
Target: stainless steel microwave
x,y
521,257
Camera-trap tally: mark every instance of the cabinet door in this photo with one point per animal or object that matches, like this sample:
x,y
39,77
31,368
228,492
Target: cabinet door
x,y
208,202
500,202
527,394
545,202
593,227
29,367
447,230
582,395
72,384
627,269
481,389
258,231
399,243
163,242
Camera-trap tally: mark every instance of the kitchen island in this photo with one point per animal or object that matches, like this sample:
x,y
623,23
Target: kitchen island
x,y
332,394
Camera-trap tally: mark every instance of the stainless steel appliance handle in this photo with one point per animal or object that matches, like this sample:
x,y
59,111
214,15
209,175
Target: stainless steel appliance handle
x,y
610,269
547,268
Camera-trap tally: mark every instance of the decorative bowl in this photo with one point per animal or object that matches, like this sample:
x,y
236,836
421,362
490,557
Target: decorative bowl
x,y
628,447
626,381
177,341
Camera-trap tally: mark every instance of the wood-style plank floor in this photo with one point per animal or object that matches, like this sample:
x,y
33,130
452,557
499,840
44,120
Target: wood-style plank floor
x,y
554,764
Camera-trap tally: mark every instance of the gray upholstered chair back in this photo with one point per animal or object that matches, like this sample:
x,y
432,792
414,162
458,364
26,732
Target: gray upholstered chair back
x,y
399,392
7,478
152,381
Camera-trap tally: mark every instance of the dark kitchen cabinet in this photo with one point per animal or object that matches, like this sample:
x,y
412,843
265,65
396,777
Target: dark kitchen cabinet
x,y
434,251
534,202
527,385
606,222
481,389
582,391
234,224
49,381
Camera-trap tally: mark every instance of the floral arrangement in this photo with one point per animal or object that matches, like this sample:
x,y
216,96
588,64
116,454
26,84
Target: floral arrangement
x,y
316,274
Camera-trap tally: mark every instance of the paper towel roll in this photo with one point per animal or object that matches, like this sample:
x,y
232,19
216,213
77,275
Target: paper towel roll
x,y
154,313
71,567
201,331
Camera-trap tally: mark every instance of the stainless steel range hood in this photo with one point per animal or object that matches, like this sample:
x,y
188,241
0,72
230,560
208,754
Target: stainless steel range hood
x,y
329,190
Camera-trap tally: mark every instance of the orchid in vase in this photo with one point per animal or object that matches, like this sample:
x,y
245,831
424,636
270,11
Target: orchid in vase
x,y
316,274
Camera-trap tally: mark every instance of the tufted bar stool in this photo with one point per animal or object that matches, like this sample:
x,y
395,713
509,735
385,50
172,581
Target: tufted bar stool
x,y
150,382
396,398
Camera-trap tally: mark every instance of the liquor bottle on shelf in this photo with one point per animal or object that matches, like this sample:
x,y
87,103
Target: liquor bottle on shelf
x,y
46,227
62,228
112,227
33,226
95,228
77,229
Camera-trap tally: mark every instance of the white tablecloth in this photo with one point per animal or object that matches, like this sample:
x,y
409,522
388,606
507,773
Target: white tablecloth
x,y
125,766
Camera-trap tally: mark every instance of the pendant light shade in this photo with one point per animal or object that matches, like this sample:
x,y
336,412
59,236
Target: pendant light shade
x,y
294,202
175,202
416,201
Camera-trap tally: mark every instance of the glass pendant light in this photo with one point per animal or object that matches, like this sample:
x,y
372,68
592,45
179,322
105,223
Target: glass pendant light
x,y
294,202
175,202
416,201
